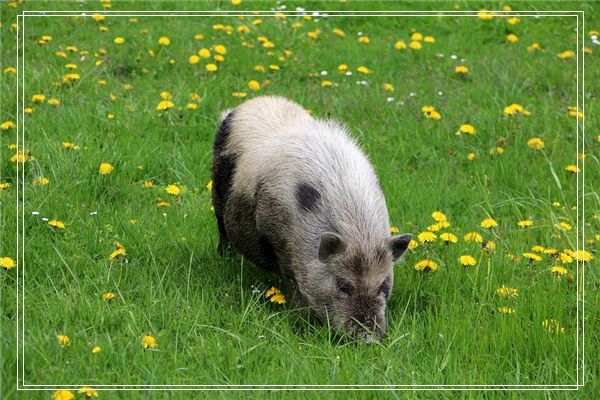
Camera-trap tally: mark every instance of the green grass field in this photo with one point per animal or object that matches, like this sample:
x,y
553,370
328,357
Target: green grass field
x,y
208,315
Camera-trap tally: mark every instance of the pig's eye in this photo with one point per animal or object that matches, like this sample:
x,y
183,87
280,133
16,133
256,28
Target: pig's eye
x,y
385,288
344,286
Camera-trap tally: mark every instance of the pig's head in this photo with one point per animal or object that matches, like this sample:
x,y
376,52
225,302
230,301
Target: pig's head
x,y
349,285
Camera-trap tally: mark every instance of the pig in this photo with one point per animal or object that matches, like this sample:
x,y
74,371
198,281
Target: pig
x,y
296,195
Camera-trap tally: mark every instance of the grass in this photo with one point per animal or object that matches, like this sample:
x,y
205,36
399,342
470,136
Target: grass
x,y
208,314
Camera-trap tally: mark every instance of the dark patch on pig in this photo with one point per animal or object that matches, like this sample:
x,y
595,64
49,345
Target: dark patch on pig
x,y
240,223
223,169
307,197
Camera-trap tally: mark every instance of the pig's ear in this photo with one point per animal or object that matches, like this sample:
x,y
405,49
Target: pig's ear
x,y
330,246
399,244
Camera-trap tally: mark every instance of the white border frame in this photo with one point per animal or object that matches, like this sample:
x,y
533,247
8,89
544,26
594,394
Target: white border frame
x,y
21,229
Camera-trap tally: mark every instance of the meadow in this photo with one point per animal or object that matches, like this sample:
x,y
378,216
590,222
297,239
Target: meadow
x,y
473,124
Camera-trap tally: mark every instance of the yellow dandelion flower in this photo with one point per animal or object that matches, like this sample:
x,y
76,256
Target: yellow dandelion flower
x,y
512,38
105,168
536,143
574,112
388,87
415,45
468,129
583,256
148,184
63,340
342,68
254,85
506,310
38,98
88,391
467,260
204,53
160,203
505,291
236,2
461,69
485,15
563,226
220,49
489,246
211,67
108,296
427,237
532,257
193,59
209,185
53,102
275,295
559,270
526,223
149,342
239,95
173,190
364,39
67,78
400,45
513,21
431,113
489,223
164,41
41,181
6,125
473,237
416,36
96,350
62,395
7,262
434,228
363,70
119,252
413,244
538,249
119,40
438,216
164,105
426,265
566,54
565,258
20,157
553,326
572,168
191,106
394,230
515,109
10,70
56,224
534,47
448,238
339,32
429,39
4,186
326,83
